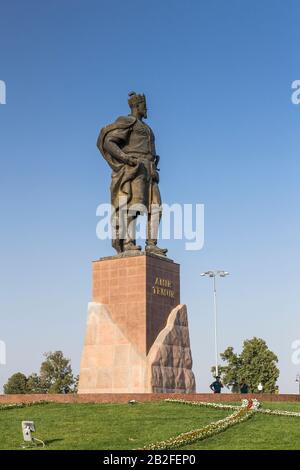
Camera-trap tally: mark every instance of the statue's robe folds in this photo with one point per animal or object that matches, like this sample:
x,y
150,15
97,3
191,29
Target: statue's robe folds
x,y
132,185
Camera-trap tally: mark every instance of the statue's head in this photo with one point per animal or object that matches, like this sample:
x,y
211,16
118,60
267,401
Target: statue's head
x,y
137,104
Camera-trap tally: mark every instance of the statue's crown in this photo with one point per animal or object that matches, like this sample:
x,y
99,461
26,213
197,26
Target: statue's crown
x,y
135,99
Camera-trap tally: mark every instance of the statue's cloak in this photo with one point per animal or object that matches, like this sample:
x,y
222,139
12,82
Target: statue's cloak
x,y
122,174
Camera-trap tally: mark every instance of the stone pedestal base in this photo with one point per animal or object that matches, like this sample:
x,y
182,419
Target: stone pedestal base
x,y
137,338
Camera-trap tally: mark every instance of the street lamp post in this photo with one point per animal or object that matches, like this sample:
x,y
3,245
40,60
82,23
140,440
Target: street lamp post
x,y
213,275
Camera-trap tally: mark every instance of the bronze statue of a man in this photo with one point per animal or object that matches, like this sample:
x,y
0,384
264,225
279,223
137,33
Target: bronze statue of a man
x,y
128,147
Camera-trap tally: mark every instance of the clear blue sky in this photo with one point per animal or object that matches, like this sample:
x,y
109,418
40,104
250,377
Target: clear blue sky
x,y
217,76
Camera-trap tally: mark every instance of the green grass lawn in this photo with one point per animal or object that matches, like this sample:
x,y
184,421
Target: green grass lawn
x,y
123,426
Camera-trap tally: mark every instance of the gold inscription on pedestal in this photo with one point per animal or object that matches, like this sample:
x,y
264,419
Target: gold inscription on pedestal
x,y
163,287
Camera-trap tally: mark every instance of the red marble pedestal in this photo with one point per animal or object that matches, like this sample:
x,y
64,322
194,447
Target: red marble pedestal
x,y
137,337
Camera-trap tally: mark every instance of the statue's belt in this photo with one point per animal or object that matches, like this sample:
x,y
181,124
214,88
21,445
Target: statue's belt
x,y
142,154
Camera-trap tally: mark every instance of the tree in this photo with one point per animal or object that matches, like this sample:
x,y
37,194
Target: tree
x,y
76,383
256,364
56,373
55,377
17,383
34,384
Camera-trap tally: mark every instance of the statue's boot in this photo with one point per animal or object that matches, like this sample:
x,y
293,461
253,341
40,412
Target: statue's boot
x,y
153,248
131,246
116,244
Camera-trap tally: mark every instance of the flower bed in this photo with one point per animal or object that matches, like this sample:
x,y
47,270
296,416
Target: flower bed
x,y
240,415
204,404
255,405
280,413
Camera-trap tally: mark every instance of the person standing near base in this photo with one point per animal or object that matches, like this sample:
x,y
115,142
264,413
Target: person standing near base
x,y
217,385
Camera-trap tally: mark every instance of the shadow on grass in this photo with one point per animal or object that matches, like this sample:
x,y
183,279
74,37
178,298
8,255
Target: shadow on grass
x,y
51,441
